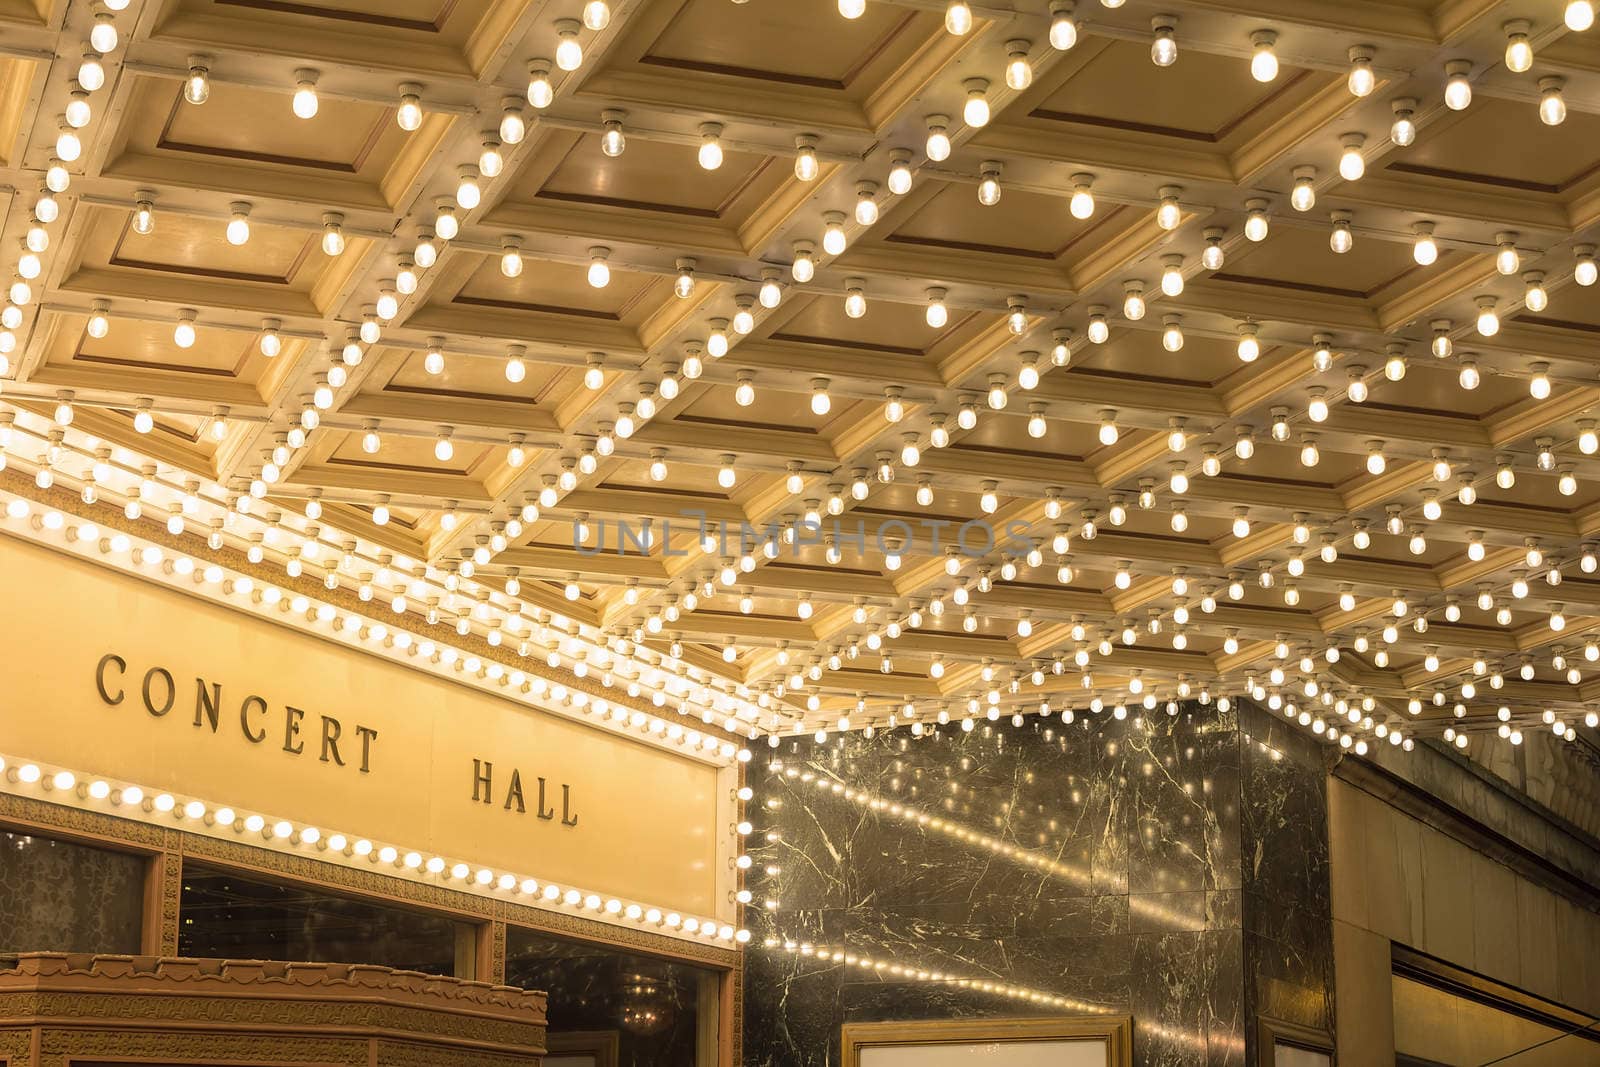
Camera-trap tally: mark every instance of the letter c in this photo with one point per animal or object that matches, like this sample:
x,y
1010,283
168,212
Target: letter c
x,y
100,677
172,691
257,704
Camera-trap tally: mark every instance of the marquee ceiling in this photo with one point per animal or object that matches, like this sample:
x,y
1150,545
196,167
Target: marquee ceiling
x,y
495,383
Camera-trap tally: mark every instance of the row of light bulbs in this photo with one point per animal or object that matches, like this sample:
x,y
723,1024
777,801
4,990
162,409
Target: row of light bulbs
x,y
140,502
162,808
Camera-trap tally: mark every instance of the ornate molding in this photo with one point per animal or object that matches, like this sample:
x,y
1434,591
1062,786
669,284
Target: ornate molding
x,y
156,1008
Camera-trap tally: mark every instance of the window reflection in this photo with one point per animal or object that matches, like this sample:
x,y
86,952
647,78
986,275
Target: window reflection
x,y
225,915
655,1012
59,896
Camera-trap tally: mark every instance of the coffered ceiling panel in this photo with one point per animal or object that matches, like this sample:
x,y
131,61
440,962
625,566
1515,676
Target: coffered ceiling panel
x,y
1526,157
1201,98
650,176
1022,224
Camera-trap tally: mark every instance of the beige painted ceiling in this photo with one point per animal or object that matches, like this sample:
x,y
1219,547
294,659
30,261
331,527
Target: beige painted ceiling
x,y
767,71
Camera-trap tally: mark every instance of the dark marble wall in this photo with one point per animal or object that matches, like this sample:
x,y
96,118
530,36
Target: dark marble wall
x,y
1118,865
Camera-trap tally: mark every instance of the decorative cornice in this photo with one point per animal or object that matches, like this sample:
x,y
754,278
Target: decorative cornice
x,y
84,973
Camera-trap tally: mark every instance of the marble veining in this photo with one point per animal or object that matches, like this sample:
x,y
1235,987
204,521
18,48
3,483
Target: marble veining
x,y
1128,866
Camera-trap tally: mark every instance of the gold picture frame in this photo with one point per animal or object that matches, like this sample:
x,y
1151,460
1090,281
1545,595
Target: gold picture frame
x,y
1115,1030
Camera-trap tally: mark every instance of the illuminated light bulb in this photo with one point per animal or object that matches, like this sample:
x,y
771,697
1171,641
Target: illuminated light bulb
x,y
569,51
804,267
1249,347
1584,270
821,403
103,34
1519,50
899,180
68,146
305,101
426,253
1133,306
1352,165
1552,105
867,203
46,209
143,421
1356,385
1534,296
852,9
1361,80
596,14
513,127
1588,440
1063,28
1403,131
745,393
936,314
510,258
1469,377
1255,225
1172,333
433,361
599,275
1108,428
516,366
91,72
855,300
1317,407
612,140
1488,319
1341,239
1169,212
541,94
99,324
806,167
1019,72
1458,86
1081,206
1579,15
408,113
183,334
989,184
1539,383
490,161
1309,456
1098,331
1376,463
1507,260
938,144
710,154
833,236
78,112
1424,250
1163,42
975,112
958,18
1264,61
1394,364
468,196
1213,257
1172,275
1304,195
388,303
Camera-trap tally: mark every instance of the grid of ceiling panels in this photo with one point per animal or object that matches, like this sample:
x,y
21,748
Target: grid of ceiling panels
x,y
428,275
